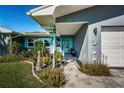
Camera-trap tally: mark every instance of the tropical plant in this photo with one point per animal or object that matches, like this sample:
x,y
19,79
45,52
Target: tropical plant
x,y
52,77
58,57
40,46
93,69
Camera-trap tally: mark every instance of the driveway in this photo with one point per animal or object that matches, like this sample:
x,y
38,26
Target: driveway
x,y
76,79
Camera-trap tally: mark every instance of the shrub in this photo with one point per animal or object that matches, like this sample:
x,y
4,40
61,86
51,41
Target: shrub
x,y
52,77
32,55
58,57
40,46
15,48
94,69
46,61
11,58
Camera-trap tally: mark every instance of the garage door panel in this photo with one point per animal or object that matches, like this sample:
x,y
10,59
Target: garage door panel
x,y
113,51
122,34
122,42
113,61
113,34
112,42
112,46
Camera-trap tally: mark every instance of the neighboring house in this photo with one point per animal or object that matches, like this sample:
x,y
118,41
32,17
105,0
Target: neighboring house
x,y
5,39
27,39
30,38
95,32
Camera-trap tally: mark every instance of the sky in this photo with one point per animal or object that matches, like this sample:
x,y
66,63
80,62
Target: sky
x,y
15,18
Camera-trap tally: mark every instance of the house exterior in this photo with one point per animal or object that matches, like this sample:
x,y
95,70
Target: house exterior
x,y
26,39
95,32
5,39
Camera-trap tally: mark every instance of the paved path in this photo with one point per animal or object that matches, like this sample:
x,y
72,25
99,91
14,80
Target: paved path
x,y
76,79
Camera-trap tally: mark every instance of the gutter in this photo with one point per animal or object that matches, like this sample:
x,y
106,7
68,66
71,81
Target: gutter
x,y
37,9
16,36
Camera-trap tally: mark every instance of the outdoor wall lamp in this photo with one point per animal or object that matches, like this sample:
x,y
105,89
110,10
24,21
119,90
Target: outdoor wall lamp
x,y
95,31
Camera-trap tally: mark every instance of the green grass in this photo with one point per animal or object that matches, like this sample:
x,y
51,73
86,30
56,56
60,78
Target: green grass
x,y
17,75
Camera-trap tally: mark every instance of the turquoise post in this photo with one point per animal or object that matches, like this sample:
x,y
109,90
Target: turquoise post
x,y
54,45
60,44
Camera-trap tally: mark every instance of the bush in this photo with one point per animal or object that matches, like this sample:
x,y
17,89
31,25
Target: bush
x,y
15,48
11,58
52,77
46,61
32,54
94,69
58,57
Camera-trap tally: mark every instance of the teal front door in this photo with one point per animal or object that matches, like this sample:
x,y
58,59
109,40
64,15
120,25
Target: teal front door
x,y
67,44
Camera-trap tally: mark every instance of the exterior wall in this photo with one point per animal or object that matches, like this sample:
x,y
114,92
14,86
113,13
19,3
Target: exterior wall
x,y
4,43
35,39
81,43
96,17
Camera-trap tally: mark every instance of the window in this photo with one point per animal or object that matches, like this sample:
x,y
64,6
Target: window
x,y
46,43
31,42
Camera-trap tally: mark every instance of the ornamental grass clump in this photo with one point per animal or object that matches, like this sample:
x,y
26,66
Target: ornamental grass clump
x,y
94,69
52,77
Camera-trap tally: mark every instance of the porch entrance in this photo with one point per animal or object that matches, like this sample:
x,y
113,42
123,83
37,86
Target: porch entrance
x,y
67,44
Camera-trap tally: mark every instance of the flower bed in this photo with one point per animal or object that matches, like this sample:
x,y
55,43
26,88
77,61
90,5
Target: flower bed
x,y
52,77
94,69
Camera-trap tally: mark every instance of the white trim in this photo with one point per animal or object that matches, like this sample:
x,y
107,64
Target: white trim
x,y
38,8
85,22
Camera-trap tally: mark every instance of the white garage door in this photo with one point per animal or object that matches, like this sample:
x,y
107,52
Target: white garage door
x,y
112,46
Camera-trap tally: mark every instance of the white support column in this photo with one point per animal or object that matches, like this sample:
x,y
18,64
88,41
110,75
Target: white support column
x,y
38,61
54,44
54,48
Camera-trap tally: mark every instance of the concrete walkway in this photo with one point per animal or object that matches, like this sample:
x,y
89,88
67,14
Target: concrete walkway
x,y
76,79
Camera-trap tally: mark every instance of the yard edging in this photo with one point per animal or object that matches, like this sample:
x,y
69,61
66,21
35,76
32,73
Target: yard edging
x,y
33,72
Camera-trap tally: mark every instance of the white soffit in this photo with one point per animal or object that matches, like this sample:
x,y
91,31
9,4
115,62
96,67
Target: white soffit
x,y
57,10
67,9
44,11
68,28
44,20
46,14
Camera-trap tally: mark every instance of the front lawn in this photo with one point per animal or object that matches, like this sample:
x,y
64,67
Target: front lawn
x,y
17,75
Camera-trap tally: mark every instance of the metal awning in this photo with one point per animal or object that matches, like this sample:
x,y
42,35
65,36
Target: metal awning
x,y
68,28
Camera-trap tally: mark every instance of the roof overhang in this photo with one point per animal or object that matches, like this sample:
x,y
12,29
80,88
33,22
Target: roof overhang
x,y
36,34
45,15
68,28
4,30
57,10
